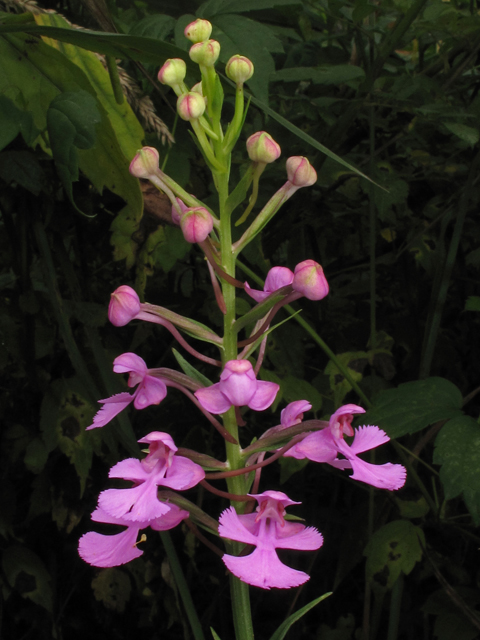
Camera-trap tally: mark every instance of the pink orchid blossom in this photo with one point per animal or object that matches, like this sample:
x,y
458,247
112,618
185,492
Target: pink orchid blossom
x,y
113,550
161,467
325,445
267,530
150,390
293,413
238,386
276,278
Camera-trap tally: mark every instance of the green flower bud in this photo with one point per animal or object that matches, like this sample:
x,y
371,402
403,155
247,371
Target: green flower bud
x,y
145,163
198,31
239,69
173,72
190,106
261,147
205,53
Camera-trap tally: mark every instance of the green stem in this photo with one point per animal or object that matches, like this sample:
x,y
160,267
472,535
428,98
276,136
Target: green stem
x,y
182,586
239,590
115,79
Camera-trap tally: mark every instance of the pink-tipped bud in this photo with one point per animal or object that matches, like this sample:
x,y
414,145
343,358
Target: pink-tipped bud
x,y
173,72
124,306
190,106
145,163
309,280
198,31
239,69
196,223
261,147
205,53
300,172
175,215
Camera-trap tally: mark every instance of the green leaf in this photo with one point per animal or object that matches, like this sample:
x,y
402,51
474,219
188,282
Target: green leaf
x,y
414,406
23,168
217,7
462,131
71,120
112,587
15,121
451,623
215,635
333,74
457,449
297,389
282,630
338,383
472,303
393,549
239,194
189,370
238,34
157,26
26,573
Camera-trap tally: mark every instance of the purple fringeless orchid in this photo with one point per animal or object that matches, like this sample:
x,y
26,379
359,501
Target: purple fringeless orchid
x,y
238,386
307,280
138,507
325,445
151,390
267,530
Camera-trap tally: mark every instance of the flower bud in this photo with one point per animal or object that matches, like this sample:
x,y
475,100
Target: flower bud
x,y
190,106
300,172
205,53
173,72
145,163
196,223
124,306
198,31
261,147
239,69
309,280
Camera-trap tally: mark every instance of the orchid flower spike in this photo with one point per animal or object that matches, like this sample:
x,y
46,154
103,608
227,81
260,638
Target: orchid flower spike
x,y
238,386
162,467
326,445
276,278
150,390
267,530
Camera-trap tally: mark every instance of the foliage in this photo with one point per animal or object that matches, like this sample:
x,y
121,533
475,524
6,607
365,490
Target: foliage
x,y
392,88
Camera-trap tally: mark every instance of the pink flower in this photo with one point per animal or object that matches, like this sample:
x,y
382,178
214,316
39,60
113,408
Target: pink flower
x,y
276,278
293,413
113,550
161,467
300,172
124,306
238,386
310,281
267,530
261,147
150,390
324,446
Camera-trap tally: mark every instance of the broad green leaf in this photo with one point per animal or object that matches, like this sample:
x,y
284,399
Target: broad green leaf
x,y
33,74
64,415
126,126
393,549
71,120
282,630
450,623
26,573
217,7
23,168
15,121
238,34
334,74
297,389
414,405
457,450
472,303
157,26
338,383
112,587
462,131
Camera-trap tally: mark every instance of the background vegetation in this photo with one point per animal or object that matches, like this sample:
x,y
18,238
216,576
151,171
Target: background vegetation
x,y
393,89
